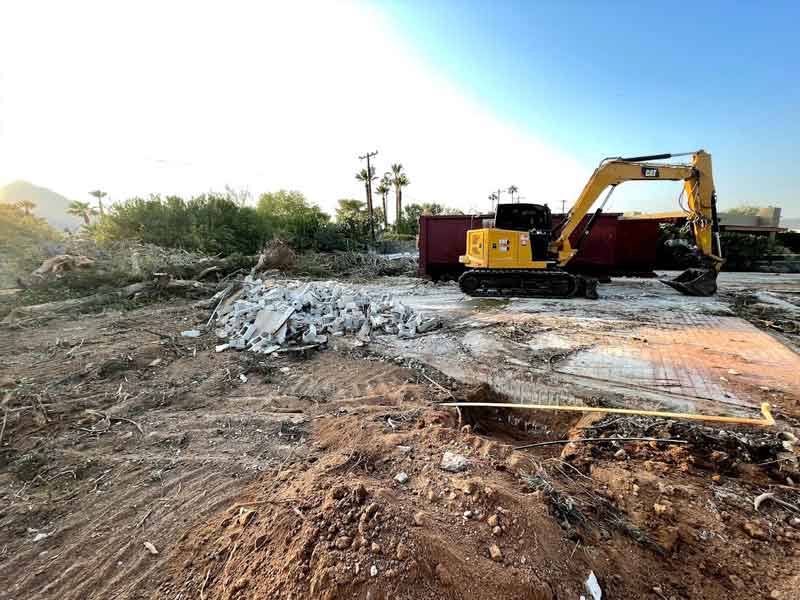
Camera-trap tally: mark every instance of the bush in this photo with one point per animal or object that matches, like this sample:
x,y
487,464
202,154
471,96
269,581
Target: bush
x,y
791,240
24,240
210,224
743,250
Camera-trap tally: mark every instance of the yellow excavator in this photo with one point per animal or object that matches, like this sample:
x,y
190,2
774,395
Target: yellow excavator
x,y
522,255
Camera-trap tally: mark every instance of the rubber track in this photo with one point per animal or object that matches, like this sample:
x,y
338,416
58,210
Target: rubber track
x,y
529,274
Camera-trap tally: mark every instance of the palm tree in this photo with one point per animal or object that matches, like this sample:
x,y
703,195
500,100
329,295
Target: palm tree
x,y
99,195
82,210
399,180
25,205
494,198
384,187
512,189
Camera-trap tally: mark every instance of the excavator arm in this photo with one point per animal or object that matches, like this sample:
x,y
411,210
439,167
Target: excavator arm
x,y
701,211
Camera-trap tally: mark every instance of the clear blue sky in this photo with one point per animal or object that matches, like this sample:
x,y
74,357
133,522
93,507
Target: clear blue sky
x,y
598,79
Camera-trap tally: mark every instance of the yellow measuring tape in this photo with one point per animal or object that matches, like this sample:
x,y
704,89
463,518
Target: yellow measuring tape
x,y
767,421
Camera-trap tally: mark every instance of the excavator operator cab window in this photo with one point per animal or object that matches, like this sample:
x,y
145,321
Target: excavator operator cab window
x,y
535,219
523,217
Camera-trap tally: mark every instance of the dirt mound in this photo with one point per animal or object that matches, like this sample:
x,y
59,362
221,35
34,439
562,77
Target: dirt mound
x,y
345,525
372,513
276,254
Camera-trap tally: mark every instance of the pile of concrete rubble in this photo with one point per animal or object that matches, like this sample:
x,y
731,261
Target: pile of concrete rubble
x,y
262,317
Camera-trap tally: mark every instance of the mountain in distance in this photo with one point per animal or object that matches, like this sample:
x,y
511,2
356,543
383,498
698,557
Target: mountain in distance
x,y
50,205
790,223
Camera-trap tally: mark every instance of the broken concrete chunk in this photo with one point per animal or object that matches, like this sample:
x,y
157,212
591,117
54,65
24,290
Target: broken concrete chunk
x,y
363,333
425,322
191,333
406,331
454,462
593,587
264,317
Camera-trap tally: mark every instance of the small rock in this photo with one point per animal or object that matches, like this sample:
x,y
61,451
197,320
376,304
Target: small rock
x,y
466,429
150,548
492,521
453,462
736,581
431,496
373,571
419,519
755,531
620,454
401,477
467,486
375,548
343,542
404,449
795,522
495,553
663,509
403,551
190,333
497,530
668,538
360,493
371,510
467,514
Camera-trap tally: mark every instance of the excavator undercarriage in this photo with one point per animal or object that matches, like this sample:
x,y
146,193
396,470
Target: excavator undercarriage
x,y
528,283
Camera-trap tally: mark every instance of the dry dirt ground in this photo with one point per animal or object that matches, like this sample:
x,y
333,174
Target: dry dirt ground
x,y
135,463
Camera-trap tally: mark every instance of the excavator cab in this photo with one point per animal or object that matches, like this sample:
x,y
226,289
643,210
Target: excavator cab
x,y
534,219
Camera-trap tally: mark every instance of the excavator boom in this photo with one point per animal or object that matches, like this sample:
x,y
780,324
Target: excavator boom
x,y
701,211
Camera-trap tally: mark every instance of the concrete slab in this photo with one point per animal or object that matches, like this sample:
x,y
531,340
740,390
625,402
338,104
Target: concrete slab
x,y
641,345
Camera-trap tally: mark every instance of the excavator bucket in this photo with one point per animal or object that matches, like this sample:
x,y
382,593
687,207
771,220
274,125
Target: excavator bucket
x,y
695,282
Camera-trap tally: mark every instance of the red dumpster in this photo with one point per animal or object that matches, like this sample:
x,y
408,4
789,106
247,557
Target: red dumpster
x,y
615,246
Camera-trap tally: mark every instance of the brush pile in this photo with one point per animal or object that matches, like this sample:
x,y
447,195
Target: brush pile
x,y
264,317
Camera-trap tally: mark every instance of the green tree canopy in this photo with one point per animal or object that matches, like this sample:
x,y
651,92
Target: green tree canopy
x,y
82,210
747,210
411,213
291,216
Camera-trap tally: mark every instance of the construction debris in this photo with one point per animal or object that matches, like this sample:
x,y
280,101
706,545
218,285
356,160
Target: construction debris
x,y
61,263
265,317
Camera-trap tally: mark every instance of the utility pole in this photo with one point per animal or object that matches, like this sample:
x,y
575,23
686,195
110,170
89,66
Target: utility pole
x,y
369,155
563,206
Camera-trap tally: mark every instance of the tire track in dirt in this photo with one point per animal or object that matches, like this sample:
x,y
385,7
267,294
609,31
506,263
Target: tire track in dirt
x,y
114,513
97,548
328,380
92,570
138,562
